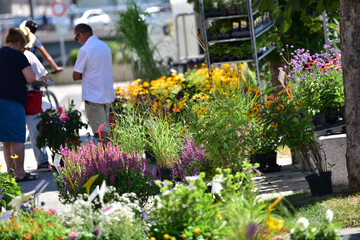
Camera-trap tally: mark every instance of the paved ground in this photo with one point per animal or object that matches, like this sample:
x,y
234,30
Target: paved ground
x,y
285,182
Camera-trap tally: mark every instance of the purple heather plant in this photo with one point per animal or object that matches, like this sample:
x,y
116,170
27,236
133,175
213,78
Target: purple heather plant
x,y
190,160
126,172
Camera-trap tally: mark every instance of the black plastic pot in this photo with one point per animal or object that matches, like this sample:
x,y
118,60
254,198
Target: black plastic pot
x,y
320,185
261,159
342,112
319,119
332,115
165,173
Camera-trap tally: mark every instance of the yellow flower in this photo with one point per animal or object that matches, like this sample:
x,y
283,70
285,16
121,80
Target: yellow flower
x,y
280,107
145,84
274,223
276,99
13,179
218,216
197,230
267,104
279,93
166,236
257,94
15,156
269,98
183,131
173,238
152,238
184,235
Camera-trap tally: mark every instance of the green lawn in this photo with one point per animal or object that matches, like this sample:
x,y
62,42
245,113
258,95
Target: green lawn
x,y
345,206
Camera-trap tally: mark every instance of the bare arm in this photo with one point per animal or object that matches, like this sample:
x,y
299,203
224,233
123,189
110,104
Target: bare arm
x,y
28,74
77,76
45,55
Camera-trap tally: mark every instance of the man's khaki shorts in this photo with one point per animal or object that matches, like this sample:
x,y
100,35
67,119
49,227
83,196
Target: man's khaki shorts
x,y
97,114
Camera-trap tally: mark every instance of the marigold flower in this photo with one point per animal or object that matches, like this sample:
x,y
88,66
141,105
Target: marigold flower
x,y
197,230
166,236
274,125
281,106
184,235
218,216
152,238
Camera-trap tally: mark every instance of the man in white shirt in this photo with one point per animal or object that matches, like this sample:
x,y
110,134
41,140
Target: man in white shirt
x,y
94,67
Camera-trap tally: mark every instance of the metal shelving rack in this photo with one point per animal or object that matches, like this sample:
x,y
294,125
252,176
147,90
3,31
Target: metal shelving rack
x,y
252,37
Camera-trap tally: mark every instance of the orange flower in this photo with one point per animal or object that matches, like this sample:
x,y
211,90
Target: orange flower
x,y
27,236
274,125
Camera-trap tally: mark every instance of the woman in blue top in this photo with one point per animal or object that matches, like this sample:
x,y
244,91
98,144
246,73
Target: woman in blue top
x,y
15,73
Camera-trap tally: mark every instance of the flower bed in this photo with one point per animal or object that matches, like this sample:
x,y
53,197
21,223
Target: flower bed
x,y
126,172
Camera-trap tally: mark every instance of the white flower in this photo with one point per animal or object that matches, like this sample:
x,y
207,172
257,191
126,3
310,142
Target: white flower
x,y
329,215
302,223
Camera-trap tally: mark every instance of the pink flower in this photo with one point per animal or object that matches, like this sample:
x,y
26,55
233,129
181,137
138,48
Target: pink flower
x,y
52,211
73,235
60,109
64,116
239,133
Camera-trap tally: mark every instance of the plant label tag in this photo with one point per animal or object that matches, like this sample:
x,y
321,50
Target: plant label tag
x,y
41,184
102,191
94,194
281,76
112,208
57,160
43,188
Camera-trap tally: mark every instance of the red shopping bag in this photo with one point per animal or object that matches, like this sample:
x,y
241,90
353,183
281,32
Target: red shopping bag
x,y
33,104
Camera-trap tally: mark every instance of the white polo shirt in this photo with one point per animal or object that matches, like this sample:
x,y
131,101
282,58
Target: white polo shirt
x,y
94,61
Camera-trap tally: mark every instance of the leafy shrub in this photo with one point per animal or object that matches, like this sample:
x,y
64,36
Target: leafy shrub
x,y
60,127
8,189
73,55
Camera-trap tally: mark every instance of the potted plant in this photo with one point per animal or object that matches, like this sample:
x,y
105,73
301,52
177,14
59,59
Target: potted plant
x,y
164,140
317,81
59,128
286,119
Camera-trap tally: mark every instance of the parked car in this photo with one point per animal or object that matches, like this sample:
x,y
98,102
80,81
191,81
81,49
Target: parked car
x,y
94,18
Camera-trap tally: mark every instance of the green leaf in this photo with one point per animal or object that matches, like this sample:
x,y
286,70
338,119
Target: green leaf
x,y
285,26
320,6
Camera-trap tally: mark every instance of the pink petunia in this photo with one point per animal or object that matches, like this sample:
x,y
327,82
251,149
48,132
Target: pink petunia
x,y
73,235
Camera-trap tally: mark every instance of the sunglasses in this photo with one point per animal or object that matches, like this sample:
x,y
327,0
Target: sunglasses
x,y
77,37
